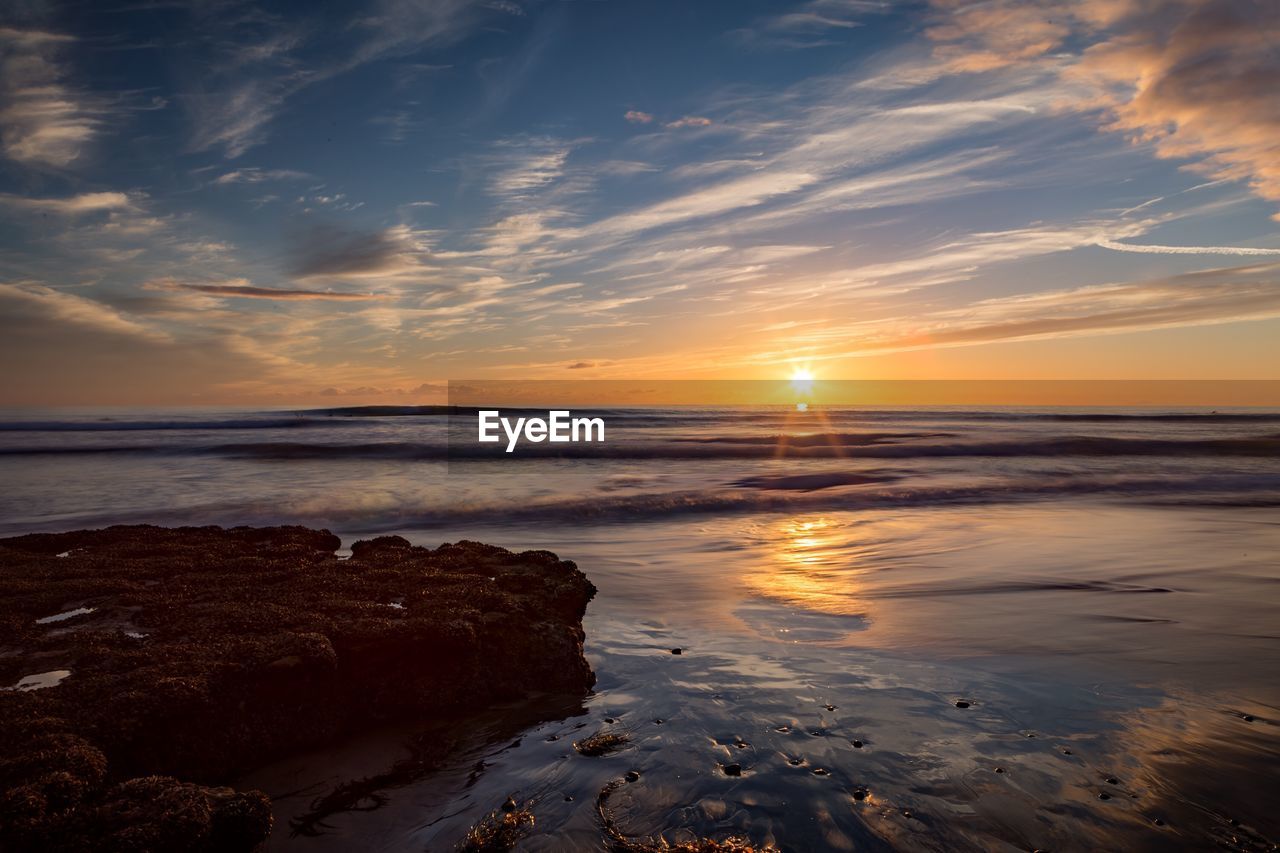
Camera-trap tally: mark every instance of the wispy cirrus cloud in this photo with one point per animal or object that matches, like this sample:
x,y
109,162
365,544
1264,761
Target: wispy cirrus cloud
x,y
71,205
689,121
255,175
807,25
398,254
260,62
1201,298
242,289
44,121
524,165
1148,249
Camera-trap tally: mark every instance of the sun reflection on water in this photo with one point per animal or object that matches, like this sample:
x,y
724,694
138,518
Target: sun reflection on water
x,y
810,564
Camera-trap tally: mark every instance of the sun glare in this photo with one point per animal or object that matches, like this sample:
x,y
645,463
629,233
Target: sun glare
x,y
802,384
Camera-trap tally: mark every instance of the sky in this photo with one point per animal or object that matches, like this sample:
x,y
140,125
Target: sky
x,y
253,203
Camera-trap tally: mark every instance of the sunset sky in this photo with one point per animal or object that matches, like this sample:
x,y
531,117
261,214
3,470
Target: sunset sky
x,y
223,202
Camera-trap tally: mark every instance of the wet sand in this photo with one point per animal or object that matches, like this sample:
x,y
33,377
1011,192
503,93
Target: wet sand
x,y
1073,677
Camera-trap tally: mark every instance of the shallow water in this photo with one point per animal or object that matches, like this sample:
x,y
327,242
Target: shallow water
x,y
1101,594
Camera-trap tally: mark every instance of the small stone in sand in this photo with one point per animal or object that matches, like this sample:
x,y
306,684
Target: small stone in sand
x,y
795,762
962,704
821,771
1248,718
829,706
631,776
1104,796
999,769
733,769
783,729
860,794
658,722
857,744
1158,822
568,798
677,651
1111,780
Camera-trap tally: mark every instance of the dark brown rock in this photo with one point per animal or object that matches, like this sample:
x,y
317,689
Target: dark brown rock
x,y
257,642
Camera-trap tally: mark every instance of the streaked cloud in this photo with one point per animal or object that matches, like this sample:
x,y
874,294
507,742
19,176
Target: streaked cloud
x,y
521,166
44,120
255,73
689,121
1206,297
1184,250
39,300
332,252
243,290
254,175
71,205
807,25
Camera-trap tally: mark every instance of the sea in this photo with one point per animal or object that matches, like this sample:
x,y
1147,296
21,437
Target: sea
x,y
913,628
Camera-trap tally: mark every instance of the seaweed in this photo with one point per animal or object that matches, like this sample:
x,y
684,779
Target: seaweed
x,y
500,830
601,743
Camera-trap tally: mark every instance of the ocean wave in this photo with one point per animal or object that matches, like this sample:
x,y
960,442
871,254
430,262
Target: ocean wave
x,y
811,482
817,439
356,512
719,501
108,425
834,446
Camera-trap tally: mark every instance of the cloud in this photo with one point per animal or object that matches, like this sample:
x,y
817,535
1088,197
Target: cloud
x,y
637,117
719,198
72,205
67,349
809,25
30,299
1185,250
1194,78
247,291
43,122
1199,298
326,251
689,121
248,76
254,175
524,165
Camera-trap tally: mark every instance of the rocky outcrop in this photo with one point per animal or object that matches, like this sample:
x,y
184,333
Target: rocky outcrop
x,y
179,658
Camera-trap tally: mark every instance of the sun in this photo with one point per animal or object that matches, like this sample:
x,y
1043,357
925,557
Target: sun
x,y
802,385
